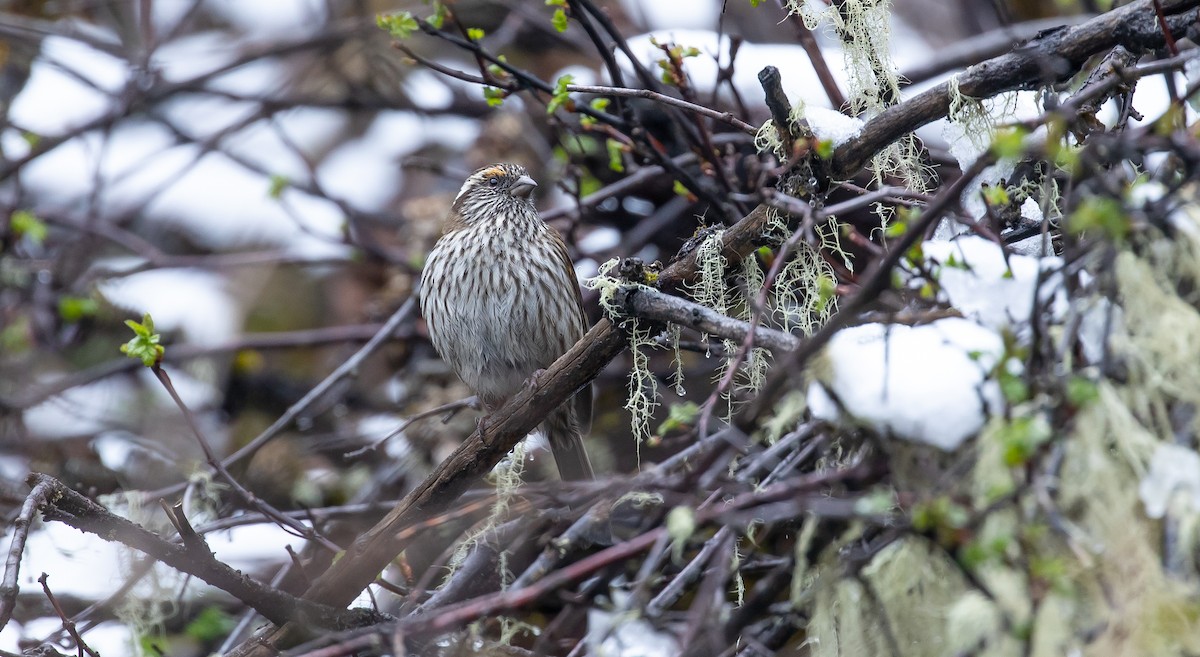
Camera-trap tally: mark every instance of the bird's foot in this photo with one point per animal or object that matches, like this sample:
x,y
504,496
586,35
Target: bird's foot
x,y
535,378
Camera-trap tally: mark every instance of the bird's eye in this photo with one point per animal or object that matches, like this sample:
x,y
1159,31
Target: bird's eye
x,y
493,181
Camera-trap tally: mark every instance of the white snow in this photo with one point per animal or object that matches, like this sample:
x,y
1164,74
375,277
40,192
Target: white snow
x,y
1174,470
622,634
797,76
82,410
667,14
427,89
831,125
601,238
70,84
106,638
366,171
927,384
275,19
192,301
984,287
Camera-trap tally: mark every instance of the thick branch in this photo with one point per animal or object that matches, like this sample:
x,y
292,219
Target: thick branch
x,y
12,566
1054,57
652,304
69,507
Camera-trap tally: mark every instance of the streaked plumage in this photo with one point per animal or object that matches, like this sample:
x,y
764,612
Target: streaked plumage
x,y
501,301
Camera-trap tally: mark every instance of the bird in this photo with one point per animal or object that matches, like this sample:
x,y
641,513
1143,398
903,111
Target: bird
x,y
501,302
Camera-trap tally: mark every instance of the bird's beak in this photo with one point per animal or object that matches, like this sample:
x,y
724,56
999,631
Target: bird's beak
x,y
523,187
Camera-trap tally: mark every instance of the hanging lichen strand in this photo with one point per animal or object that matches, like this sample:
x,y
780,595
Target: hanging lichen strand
x,y
643,386
873,83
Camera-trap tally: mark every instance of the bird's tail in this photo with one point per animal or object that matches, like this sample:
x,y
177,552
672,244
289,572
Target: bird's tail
x,y
566,441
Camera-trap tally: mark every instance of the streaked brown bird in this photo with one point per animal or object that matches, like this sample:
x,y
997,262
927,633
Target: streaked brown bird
x,y
501,301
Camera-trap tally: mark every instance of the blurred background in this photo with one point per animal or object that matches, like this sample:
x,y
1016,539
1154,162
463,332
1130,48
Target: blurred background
x,y
265,179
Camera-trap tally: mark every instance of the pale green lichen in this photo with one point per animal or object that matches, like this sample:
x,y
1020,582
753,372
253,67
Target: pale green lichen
x,y
803,577
507,477
786,415
157,597
767,140
873,83
677,379
709,289
798,290
643,386
735,567
606,285
753,370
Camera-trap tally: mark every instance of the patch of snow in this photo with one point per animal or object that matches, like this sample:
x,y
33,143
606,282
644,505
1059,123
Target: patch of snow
x,y
674,14
70,84
983,286
1099,319
1174,471
106,638
250,547
586,268
190,56
798,79
278,19
191,301
599,239
366,171
831,125
224,205
927,384
82,410
623,634
427,89
1031,211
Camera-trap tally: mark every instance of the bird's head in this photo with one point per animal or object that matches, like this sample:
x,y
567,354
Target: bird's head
x,y
494,189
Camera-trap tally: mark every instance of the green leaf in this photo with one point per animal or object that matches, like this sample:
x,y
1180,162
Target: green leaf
x,y
616,155
681,525
561,96
680,416
1020,439
560,20
825,149
278,184
145,343
17,337
399,26
438,19
597,104
826,291
1100,213
589,184
755,3
1014,388
31,138
494,96
210,624
556,3
1081,391
1009,143
680,189
995,195
475,33
73,309
26,224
